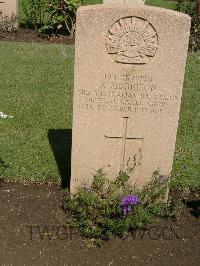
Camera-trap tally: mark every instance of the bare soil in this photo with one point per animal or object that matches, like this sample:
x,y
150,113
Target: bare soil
x,y
33,231
29,35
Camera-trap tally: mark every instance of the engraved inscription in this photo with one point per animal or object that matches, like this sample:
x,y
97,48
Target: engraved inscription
x,y
126,93
132,40
124,139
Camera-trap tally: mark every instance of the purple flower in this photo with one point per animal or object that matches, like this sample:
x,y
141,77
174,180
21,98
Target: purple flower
x,y
127,202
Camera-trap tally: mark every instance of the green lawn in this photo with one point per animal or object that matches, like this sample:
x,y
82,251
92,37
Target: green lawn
x,y
159,3
36,88
186,166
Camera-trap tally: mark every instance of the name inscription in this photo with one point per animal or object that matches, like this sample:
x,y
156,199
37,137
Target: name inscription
x,y
126,93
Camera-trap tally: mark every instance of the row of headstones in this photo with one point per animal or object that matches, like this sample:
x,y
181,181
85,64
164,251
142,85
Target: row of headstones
x,y
8,14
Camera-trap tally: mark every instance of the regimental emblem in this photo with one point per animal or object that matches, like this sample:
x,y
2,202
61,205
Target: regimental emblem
x,y
132,40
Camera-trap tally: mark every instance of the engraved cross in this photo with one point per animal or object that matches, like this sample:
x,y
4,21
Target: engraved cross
x,y
124,140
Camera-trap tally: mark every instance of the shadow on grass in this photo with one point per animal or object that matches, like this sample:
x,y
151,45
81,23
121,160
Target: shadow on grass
x,y
60,141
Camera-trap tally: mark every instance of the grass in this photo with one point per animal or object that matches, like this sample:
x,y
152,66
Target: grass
x,y
158,3
36,88
186,168
161,3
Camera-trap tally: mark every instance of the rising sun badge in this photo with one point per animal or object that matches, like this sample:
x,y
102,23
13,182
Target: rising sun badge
x,y
132,40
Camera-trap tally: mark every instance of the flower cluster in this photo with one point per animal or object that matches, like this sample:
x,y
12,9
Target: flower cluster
x,y
127,202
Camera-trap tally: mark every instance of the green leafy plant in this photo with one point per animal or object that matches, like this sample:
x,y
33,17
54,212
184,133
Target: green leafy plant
x,y
33,13
113,208
61,17
192,8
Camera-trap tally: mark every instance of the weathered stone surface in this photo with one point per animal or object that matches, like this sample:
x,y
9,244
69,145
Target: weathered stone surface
x,y
8,14
129,70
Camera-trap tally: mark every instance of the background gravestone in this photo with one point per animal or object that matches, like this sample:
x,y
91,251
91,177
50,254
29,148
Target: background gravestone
x,y
129,70
8,14
123,2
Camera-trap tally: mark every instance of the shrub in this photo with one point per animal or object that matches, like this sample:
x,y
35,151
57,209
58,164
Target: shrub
x,y
33,13
61,17
192,8
113,208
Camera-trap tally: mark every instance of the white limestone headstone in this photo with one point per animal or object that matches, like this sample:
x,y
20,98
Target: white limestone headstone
x,y
129,71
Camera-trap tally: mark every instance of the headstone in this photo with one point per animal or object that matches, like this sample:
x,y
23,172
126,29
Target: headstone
x,y
8,14
129,71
